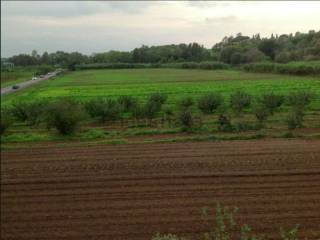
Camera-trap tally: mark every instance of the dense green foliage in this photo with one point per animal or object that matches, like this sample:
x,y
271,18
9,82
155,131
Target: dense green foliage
x,y
210,102
293,68
64,115
233,50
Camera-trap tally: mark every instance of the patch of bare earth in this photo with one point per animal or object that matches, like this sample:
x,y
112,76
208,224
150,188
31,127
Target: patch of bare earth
x,y
133,191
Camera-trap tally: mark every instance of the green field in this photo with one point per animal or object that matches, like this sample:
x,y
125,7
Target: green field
x,y
176,83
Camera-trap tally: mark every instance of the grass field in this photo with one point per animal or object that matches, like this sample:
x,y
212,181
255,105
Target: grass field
x,y
175,82
20,74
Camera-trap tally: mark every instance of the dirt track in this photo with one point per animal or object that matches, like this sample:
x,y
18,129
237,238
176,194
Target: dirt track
x,y
133,191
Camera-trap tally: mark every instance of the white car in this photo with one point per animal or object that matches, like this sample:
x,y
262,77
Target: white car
x,y
34,78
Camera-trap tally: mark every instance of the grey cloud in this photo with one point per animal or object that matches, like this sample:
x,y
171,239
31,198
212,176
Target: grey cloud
x,y
69,8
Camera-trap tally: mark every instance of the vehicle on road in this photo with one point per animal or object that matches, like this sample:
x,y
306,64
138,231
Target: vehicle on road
x,y
15,86
34,78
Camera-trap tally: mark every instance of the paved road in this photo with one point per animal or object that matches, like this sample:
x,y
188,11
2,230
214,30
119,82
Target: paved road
x,y
29,83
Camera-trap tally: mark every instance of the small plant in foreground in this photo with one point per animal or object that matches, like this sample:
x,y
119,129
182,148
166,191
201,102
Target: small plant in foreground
x,y
224,227
239,101
65,116
169,236
210,103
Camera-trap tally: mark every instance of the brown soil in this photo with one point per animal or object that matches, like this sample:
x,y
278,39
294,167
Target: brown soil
x,y
133,191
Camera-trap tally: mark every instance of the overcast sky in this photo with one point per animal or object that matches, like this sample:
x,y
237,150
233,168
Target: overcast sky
x,y
90,27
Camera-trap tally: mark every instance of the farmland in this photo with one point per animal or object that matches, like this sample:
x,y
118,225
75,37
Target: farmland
x,y
120,180
176,83
131,191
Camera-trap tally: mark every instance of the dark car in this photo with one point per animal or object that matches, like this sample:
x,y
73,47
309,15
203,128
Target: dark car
x,y
15,87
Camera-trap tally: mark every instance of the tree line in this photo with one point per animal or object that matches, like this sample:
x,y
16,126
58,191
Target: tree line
x,y
233,50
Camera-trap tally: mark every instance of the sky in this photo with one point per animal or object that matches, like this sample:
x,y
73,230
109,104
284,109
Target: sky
x,y
100,26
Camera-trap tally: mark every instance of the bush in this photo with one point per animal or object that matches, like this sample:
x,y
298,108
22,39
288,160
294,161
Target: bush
x,y
168,115
293,68
127,103
190,65
103,108
65,116
44,69
138,112
158,97
5,121
300,99
32,112
224,123
239,101
261,113
271,101
295,120
186,119
210,102
213,65
186,102
151,109
245,126
19,110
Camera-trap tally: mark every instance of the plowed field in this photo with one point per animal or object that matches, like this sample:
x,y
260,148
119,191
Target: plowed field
x,y
119,192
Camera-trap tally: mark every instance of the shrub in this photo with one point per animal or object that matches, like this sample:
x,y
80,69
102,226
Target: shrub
x,y
186,102
261,113
210,102
244,126
158,97
190,65
65,116
300,99
224,123
151,109
36,111
127,102
138,112
103,108
239,101
271,101
168,115
294,68
213,65
32,112
5,121
19,110
295,119
186,119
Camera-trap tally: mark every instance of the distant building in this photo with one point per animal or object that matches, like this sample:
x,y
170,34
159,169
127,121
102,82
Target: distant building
x,y
5,65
